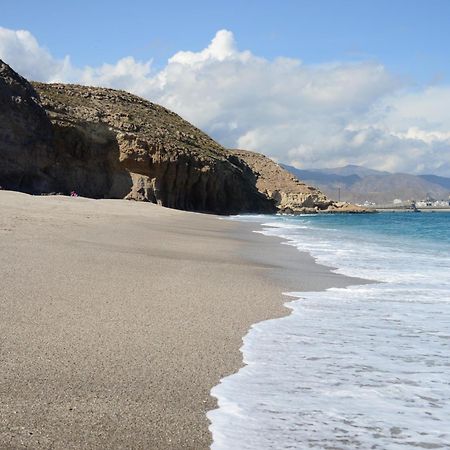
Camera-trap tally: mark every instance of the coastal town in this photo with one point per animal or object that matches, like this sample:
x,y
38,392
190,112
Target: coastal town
x,y
411,205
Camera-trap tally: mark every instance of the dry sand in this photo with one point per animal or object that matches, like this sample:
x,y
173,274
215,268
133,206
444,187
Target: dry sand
x,y
117,318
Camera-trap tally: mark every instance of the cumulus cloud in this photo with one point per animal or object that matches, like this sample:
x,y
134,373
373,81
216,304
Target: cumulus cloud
x,y
22,51
307,115
127,73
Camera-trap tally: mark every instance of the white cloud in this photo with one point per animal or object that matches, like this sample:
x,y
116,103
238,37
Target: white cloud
x,y
222,47
308,115
22,51
127,73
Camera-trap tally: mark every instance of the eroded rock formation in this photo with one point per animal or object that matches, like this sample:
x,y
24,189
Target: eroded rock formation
x,y
132,148
291,196
25,135
104,143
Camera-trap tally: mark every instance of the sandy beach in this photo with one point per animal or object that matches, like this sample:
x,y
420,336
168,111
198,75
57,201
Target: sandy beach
x,y
117,318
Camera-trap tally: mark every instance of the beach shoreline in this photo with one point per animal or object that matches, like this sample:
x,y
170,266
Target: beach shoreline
x,y
119,317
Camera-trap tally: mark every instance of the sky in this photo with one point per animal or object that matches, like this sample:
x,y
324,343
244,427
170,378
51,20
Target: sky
x,y
312,83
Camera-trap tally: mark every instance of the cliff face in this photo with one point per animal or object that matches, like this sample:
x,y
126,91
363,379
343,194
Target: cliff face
x,y
113,144
104,143
291,196
25,135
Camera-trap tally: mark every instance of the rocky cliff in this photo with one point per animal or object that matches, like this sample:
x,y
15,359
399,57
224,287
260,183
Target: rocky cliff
x,y
104,143
25,134
291,196
113,144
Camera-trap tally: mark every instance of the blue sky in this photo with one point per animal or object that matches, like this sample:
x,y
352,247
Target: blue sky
x,y
311,83
410,37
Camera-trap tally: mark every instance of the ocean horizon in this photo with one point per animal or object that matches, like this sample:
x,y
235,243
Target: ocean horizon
x,y
362,367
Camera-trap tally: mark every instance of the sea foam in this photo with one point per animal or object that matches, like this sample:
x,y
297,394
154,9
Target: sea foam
x,y
366,367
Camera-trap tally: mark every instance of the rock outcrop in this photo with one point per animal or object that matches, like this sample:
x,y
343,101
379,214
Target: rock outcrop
x,y
25,135
104,143
114,144
291,196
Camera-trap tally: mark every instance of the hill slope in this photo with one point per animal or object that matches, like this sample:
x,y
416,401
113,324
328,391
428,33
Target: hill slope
x,y
290,195
149,152
359,184
104,143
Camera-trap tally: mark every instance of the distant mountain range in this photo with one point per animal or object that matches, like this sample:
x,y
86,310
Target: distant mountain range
x,y
358,184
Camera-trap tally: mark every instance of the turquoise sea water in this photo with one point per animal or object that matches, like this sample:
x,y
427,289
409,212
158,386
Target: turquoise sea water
x,y
365,367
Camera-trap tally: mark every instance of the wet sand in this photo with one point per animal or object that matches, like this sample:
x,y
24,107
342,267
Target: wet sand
x,y
117,318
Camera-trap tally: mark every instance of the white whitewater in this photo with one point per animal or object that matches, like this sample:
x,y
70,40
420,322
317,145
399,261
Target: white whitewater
x,y
367,367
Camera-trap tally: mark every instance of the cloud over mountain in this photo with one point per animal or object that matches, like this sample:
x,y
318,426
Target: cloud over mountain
x,y
305,115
